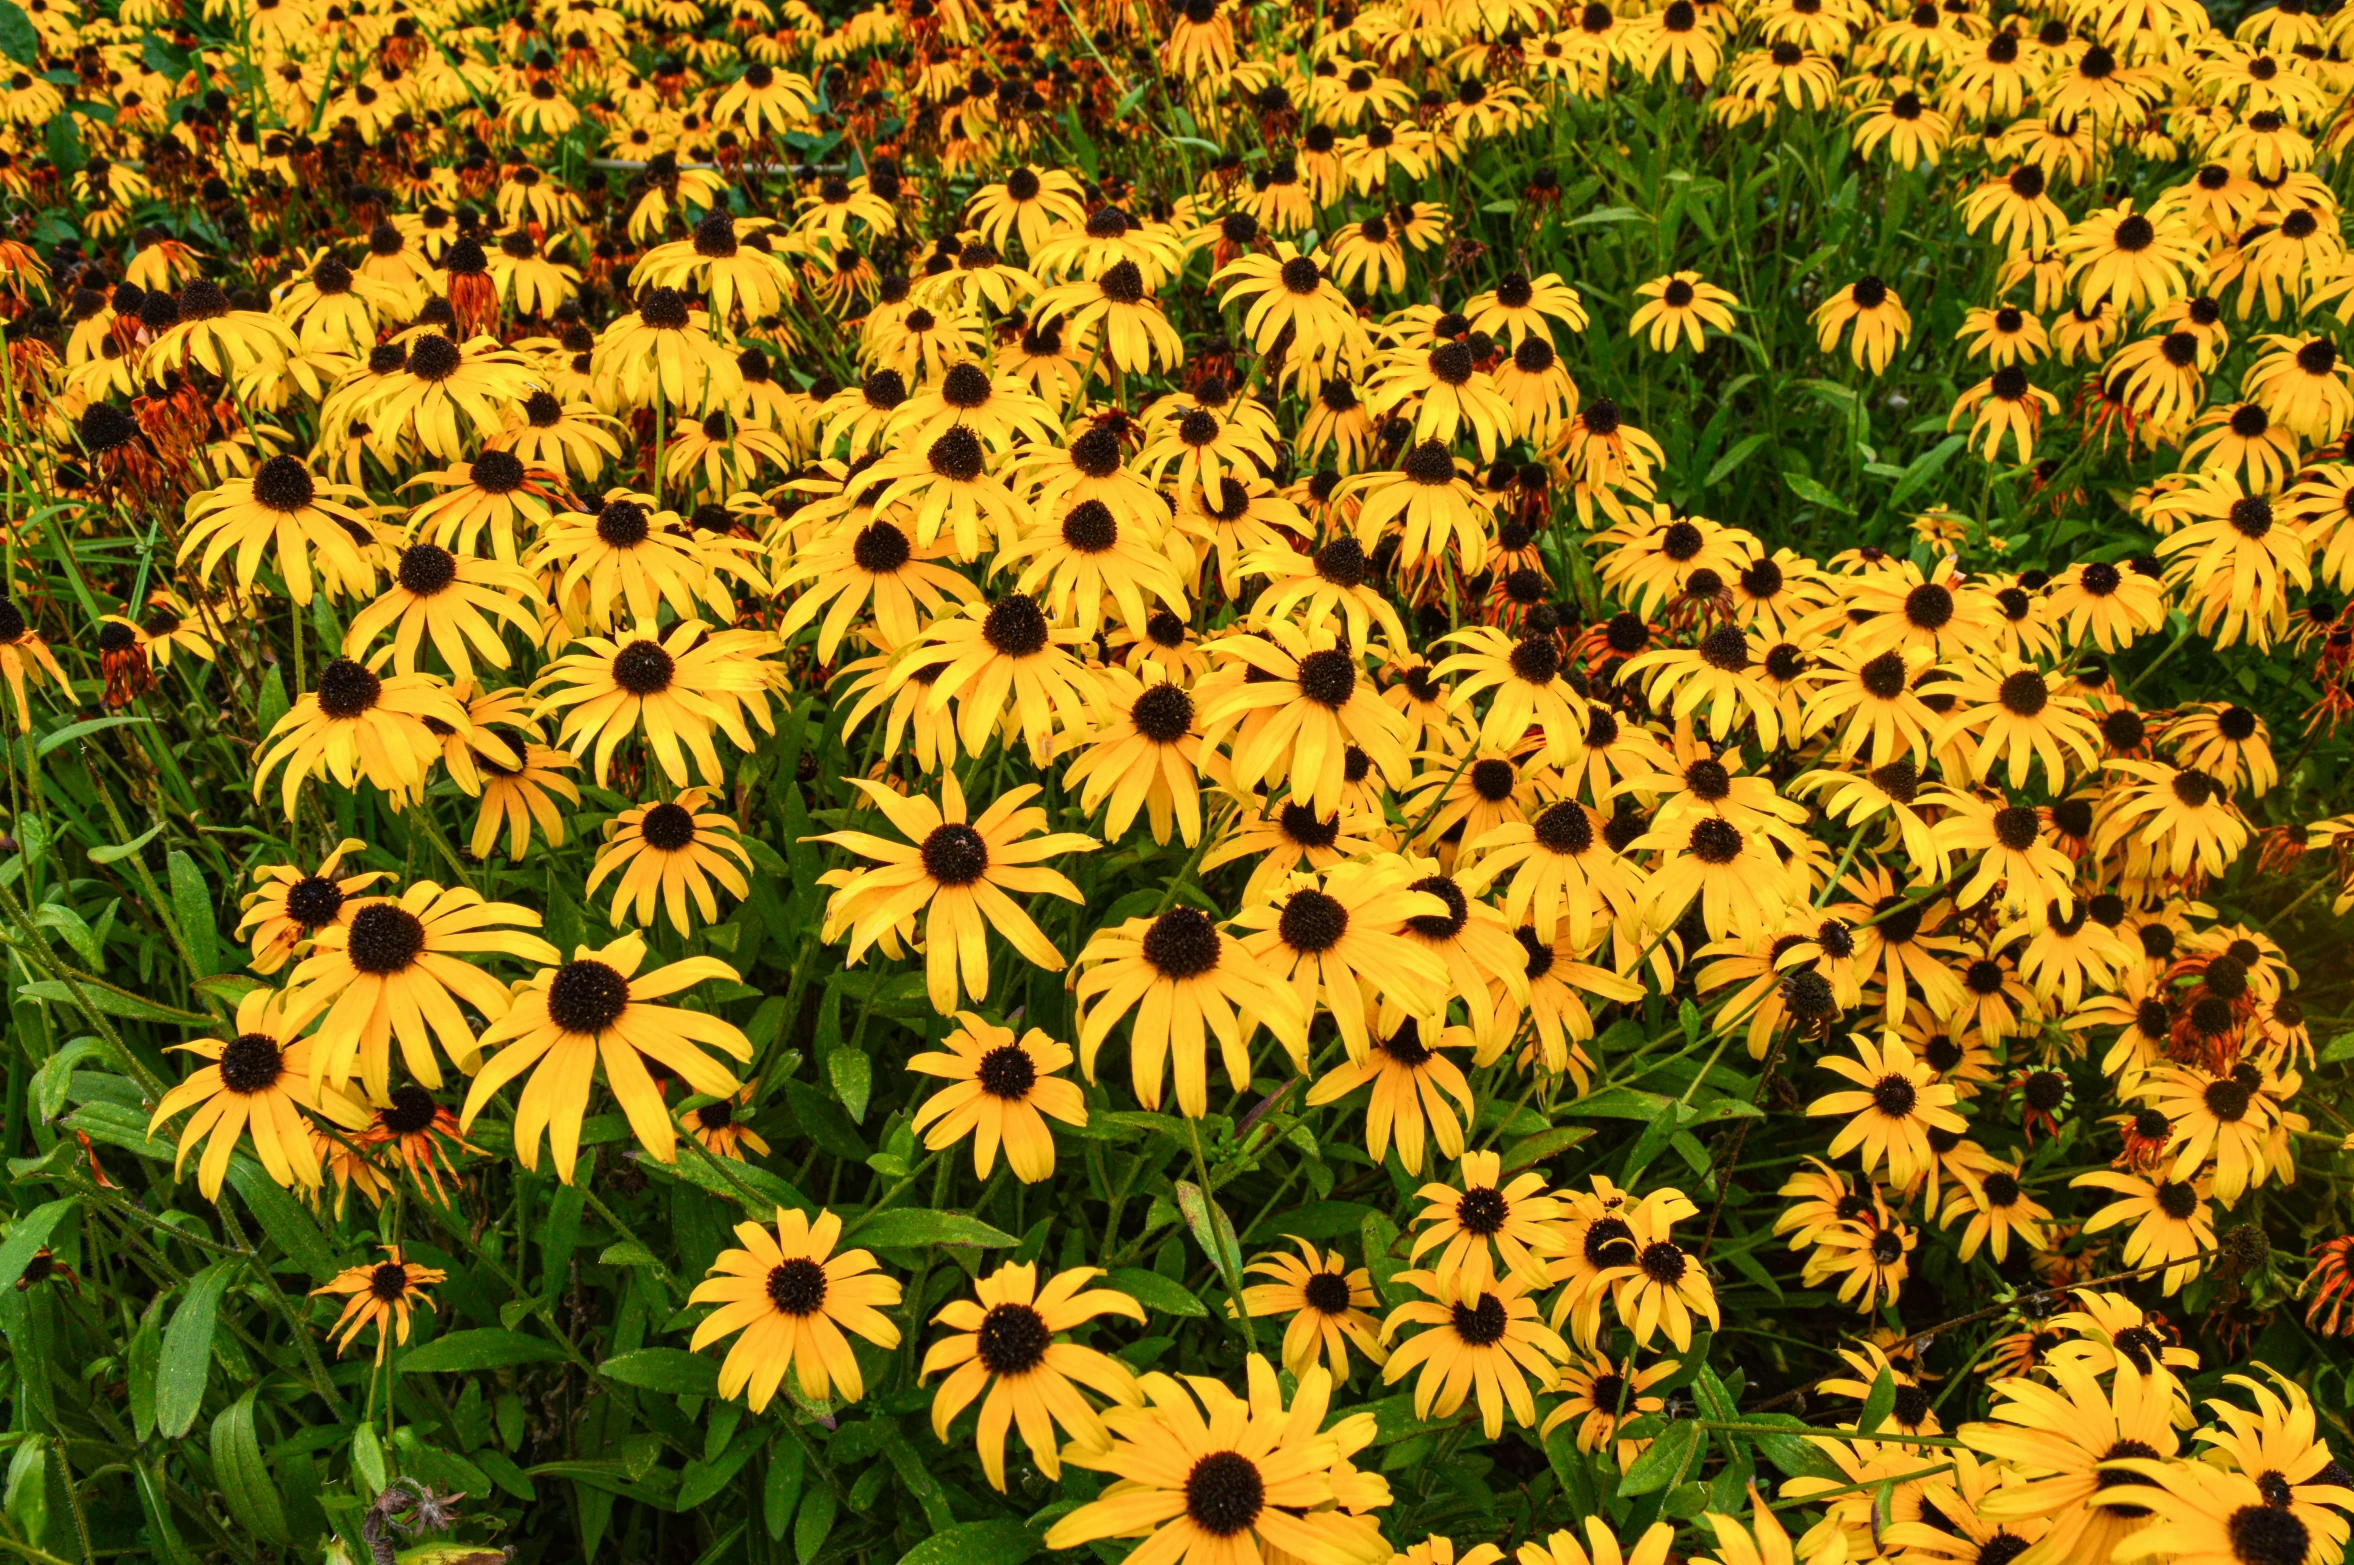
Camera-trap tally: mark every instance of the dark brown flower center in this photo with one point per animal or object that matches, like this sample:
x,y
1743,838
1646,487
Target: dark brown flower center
x,y
587,997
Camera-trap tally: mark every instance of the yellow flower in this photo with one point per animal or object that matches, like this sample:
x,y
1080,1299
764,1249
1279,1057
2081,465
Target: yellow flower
x,y
1001,1348
1002,1091
792,1296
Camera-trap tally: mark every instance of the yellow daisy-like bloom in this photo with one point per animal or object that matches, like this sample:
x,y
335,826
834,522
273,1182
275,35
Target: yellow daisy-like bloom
x,y
1881,324
1003,1091
2219,1117
2132,260
1517,1222
957,873
1601,1395
1327,1303
2205,1517
1602,1546
1484,1337
398,967
667,852
383,1295
1896,1103
1146,756
257,1086
595,1009
1763,1541
1003,665
1413,1084
360,724
1230,1479
663,350
2058,1441
283,505
2170,1219
1339,941
1001,1348
442,380
1997,1209
792,1296
1678,306
672,689
1314,701
1285,289
455,599
290,906
1185,981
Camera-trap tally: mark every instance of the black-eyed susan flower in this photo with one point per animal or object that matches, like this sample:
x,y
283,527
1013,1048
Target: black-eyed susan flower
x,y
1328,1303
1002,1348
383,1295
1681,306
289,906
282,507
397,968
792,1295
1516,1221
1484,1338
1896,1103
1001,1091
957,872
1337,941
666,853
673,690
1417,1090
1203,1481
1878,316
359,724
596,1010
2057,1441
1185,981
256,1088
2169,1217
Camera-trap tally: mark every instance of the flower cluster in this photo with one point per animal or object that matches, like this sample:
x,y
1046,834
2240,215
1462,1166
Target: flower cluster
x,y
1114,608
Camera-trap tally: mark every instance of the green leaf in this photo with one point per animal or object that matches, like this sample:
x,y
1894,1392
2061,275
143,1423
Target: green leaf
x,y
117,1126
1879,1402
243,1478
28,1234
1157,1293
114,852
282,1217
367,1458
671,1370
912,1228
702,1480
976,1543
17,38
1664,1461
788,1466
769,1191
1923,468
1571,1467
485,1347
2340,1048
63,140
273,704
1732,459
1621,1103
111,1002
88,726
853,1076
1531,1150
1794,1453
1814,493
1211,1229
192,903
188,1351
815,1522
